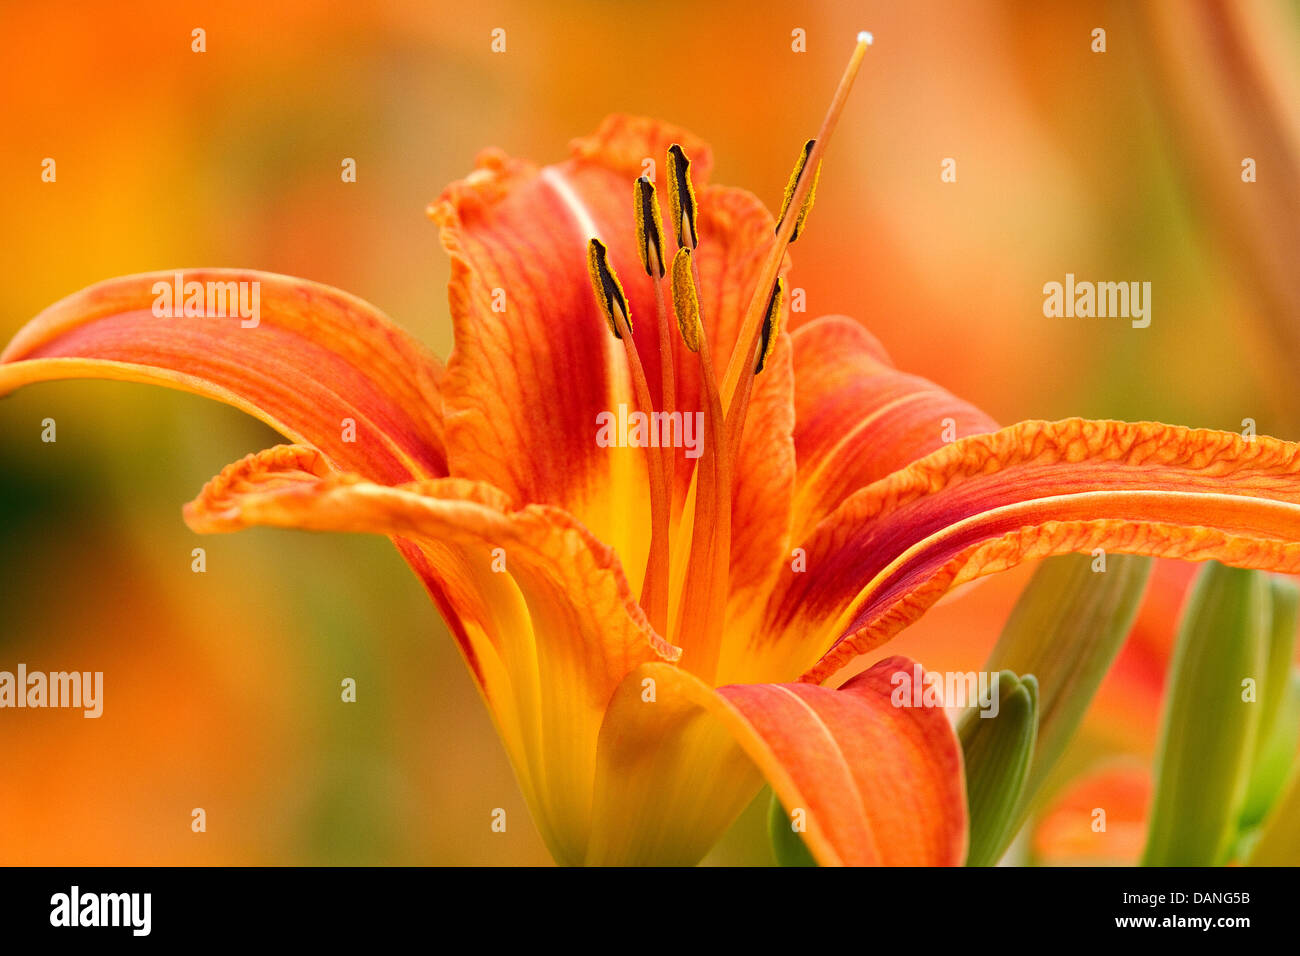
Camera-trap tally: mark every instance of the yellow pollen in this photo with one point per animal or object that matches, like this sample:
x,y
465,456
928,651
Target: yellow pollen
x,y
793,184
771,325
649,228
609,291
686,301
681,197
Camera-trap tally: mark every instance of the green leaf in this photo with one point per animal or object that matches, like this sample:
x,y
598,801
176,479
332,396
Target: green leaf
x,y
1211,721
787,846
1279,702
1066,629
998,750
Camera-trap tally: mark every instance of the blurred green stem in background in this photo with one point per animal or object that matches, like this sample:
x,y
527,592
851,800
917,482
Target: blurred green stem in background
x,y
1212,716
1066,629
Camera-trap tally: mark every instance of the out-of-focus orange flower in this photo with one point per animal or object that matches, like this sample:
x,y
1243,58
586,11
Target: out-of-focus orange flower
x,y
1099,820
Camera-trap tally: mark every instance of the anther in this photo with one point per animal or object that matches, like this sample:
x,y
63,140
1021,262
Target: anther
x,y
686,300
771,325
609,292
793,184
681,197
649,228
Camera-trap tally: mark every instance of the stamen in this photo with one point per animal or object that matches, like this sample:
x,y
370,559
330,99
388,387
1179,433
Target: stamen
x,y
681,197
649,228
609,291
771,325
668,388
609,296
771,332
736,421
649,234
686,301
795,175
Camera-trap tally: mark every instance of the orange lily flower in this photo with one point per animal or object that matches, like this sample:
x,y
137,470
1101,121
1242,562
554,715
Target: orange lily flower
x,y
656,634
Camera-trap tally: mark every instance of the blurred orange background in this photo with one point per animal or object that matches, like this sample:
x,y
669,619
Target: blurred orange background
x,y
222,689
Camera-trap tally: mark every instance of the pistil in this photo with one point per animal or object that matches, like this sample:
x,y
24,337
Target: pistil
x,y
741,363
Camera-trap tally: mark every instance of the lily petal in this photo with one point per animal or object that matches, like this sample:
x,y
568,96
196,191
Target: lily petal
x,y
316,358
534,363
877,784
859,419
986,503
544,615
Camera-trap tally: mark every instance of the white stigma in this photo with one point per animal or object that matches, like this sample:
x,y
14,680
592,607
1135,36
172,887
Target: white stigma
x,y
866,37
